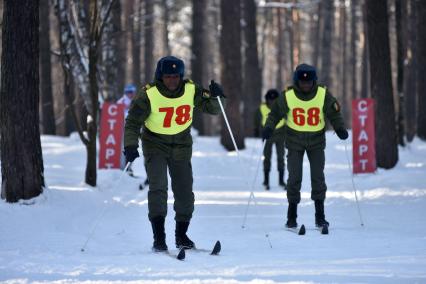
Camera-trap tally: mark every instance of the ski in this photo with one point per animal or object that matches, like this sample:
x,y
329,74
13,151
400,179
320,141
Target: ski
x,y
215,251
298,230
179,256
323,229
144,184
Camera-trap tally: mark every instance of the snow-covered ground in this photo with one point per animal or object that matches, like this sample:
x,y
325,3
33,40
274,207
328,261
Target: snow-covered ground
x,y
42,242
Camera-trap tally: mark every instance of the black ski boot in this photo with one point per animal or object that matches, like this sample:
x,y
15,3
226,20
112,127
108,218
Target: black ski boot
x,y
319,214
159,234
129,171
266,180
281,179
291,215
182,240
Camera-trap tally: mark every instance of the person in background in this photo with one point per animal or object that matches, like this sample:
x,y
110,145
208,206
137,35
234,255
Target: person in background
x,y
278,138
305,106
126,100
164,109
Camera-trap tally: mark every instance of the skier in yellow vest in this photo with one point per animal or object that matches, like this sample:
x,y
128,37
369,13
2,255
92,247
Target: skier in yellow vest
x,y
278,138
305,106
165,109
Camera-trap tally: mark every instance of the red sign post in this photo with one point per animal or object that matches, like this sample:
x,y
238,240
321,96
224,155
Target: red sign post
x,y
363,136
111,133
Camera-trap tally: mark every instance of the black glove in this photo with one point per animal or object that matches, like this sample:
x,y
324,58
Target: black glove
x,y
267,133
216,89
342,133
131,153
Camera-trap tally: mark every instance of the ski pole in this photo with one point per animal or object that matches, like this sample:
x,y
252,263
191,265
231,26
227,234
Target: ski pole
x,y
241,164
99,218
252,186
353,185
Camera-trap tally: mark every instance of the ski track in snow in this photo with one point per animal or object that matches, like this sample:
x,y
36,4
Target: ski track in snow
x,y
41,239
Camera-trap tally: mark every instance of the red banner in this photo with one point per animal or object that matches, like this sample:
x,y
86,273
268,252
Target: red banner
x,y
363,136
110,138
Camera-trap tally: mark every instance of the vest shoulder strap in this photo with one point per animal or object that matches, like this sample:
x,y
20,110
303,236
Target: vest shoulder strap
x,y
322,86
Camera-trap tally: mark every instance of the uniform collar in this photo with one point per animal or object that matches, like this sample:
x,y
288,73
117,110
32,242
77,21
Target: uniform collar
x,y
305,96
166,92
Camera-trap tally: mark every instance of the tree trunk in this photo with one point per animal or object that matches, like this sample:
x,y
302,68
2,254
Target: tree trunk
x,y
289,26
252,84
381,83
71,49
317,35
21,155
197,58
110,50
410,71
121,48
212,123
230,47
166,26
365,78
281,24
46,99
94,46
136,33
328,13
295,24
71,123
266,15
400,50
149,40
344,64
421,65
72,119
353,49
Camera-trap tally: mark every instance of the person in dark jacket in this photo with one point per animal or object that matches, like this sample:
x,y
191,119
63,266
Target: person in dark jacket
x,y
278,138
305,106
165,110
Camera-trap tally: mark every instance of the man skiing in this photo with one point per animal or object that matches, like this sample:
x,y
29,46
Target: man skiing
x,y
305,105
278,138
165,109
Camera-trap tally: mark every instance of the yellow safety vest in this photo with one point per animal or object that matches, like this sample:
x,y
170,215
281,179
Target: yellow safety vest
x,y
265,110
306,116
170,116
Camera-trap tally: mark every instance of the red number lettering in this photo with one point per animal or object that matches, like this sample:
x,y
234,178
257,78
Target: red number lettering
x,y
169,114
313,116
183,114
298,116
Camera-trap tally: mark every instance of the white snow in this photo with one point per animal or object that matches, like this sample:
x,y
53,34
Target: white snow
x,y
41,242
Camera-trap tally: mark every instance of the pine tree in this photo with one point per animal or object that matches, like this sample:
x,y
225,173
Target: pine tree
x,y
230,48
381,83
21,156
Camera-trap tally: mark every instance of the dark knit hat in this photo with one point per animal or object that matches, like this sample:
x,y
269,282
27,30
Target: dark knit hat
x,y
304,72
169,65
271,94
